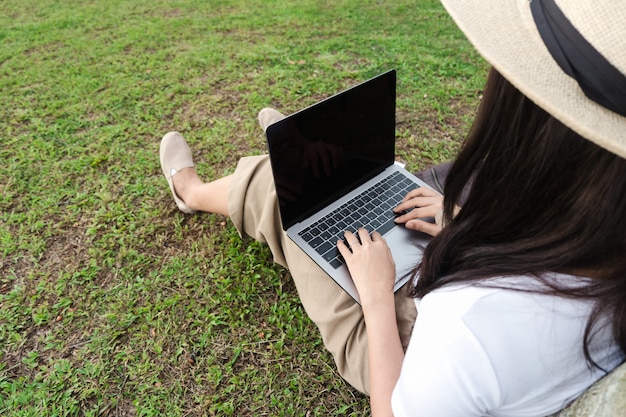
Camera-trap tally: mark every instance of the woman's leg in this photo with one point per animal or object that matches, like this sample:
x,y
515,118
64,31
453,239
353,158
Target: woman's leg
x,y
210,197
254,211
249,198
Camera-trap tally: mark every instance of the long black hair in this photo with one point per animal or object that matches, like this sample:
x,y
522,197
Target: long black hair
x,y
541,199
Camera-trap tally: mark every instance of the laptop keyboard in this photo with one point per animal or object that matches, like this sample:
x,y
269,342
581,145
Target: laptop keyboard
x,y
372,209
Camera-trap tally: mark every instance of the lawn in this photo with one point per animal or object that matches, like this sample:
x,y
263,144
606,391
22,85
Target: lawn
x,y
114,303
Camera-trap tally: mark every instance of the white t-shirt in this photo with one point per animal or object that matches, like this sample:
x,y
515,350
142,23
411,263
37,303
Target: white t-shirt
x,y
483,351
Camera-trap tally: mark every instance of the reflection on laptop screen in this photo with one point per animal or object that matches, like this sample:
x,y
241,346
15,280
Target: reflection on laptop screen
x,y
327,149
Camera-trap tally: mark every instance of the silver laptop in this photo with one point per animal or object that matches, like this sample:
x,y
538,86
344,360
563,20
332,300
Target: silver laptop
x,y
334,170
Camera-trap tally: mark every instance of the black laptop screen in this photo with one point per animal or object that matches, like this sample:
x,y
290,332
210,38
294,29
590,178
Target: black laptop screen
x,y
325,150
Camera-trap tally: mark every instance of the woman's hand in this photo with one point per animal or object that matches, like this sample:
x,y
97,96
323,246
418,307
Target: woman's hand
x,y
370,264
422,203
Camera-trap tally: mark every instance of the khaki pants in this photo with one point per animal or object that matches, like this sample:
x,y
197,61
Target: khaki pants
x,y
254,211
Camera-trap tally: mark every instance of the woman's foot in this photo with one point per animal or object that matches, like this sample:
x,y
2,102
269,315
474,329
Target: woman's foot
x,y
176,158
268,116
190,193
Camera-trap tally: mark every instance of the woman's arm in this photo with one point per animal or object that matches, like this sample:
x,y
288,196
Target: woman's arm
x,y
385,353
373,270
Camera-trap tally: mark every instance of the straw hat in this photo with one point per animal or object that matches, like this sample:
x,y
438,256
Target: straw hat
x,y
506,33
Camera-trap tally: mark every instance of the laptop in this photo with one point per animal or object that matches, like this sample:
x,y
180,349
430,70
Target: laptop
x,y
333,167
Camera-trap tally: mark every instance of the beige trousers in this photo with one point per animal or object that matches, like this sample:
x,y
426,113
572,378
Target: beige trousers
x,y
253,208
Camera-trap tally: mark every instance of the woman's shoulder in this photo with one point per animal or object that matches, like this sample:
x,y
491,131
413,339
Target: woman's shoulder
x,y
518,293
517,309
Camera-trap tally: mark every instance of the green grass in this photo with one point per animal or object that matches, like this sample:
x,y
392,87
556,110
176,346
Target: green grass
x,y
111,301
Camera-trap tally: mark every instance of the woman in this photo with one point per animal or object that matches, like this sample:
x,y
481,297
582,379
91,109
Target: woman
x,y
521,296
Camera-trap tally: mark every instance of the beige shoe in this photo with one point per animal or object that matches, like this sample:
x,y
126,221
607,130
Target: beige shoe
x,y
268,116
175,155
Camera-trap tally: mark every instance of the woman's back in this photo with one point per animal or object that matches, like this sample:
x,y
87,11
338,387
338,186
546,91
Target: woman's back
x,y
497,349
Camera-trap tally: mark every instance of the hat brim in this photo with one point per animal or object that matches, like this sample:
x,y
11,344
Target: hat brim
x,y
504,33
